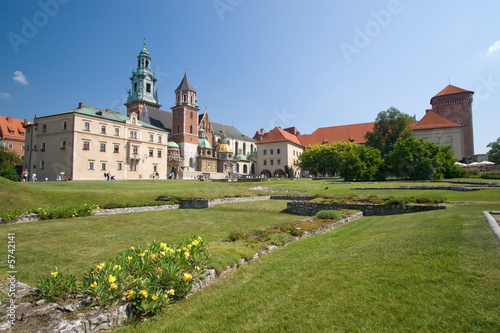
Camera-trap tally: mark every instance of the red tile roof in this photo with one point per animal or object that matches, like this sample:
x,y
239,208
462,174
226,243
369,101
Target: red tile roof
x,y
449,89
348,133
279,135
11,128
433,120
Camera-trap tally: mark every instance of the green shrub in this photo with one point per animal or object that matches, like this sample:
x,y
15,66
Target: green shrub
x,y
292,230
236,234
10,215
64,212
329,215
429,200
56,286
490,175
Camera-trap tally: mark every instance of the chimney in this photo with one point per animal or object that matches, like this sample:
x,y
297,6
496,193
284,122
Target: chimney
x,y
80,105
427,111
9,119
36,116
108,110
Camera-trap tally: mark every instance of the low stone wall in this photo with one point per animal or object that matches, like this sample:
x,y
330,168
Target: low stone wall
x,y
205,203
240,199
449,188
311,208
133,209
291,197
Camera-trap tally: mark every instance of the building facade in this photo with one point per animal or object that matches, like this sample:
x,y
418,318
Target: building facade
x,y
12,134
87,143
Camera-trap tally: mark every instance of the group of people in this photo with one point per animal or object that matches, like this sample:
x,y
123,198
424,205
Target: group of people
x,y
108,177
25,176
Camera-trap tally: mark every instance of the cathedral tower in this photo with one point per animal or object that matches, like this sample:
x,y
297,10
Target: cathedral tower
x,y
143,94
185,122
455,104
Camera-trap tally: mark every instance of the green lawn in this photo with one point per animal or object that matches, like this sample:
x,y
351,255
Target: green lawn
x,y
425,272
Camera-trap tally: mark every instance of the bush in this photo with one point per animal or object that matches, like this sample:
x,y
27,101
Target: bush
x,y
236,234
329,215
10,216
64,212
490,176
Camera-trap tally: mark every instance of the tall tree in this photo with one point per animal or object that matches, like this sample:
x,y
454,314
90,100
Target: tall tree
x,y
494,152
390,126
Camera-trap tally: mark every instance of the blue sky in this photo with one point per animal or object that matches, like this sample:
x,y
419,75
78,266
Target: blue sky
x,y
255,63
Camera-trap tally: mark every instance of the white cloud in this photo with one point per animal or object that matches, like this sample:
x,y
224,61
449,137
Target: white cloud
x,y
493,49
19,77
4,95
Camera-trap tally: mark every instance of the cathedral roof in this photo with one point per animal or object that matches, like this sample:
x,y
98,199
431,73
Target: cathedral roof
x,y
433,120
203,143
185,85
223,148
231,132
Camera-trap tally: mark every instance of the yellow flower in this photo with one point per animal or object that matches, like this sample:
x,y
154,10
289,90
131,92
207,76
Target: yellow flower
x,y
195,242
162,253
163,245
178,250
146,251
54,274
101,265
199,239
186,254
141,254
171,292
187,277
165,297
113,286
93,285
111,278
144,293
118,267
153,256
154,297
132,248
130,294
189,246
129,258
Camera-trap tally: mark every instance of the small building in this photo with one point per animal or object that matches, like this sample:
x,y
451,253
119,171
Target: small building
x,y
277,151
12,134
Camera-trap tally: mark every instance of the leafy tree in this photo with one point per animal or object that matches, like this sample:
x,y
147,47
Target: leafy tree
x,y
494,152
418,159
390,126
8,162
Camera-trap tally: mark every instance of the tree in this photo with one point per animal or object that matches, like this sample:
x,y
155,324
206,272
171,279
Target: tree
x,y
8,162
390,126
494,152
418,159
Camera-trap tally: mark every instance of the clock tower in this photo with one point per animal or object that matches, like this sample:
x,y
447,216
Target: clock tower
x,y
143,93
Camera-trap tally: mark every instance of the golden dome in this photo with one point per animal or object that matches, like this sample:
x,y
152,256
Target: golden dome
x,y
223,148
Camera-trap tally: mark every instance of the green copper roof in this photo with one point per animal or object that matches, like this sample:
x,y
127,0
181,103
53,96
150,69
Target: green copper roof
x,y
144,51
240,157
203,143
103,114
172,144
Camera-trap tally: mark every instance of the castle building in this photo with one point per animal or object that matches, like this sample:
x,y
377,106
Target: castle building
x,y
86,143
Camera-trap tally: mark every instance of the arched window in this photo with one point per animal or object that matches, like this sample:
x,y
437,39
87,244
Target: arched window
x,y
191,162
191,129
244,149
245,169
184,98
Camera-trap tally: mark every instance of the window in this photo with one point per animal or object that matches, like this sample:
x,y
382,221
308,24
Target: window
x,y
133,167
42,164
63,144
44,128
191,129
133,134
148,87
265,152
11,132
191,114
150,152
103,166
91,165
86,126
184,98
102,147
278,151
159,153
86,145
21,133
42,146
10,146
151,137
119,166
272,162
265,162
135,86
278,161
135,150
159,139
22,148
192,99
103,129
116,149
117,131
64,125
271,151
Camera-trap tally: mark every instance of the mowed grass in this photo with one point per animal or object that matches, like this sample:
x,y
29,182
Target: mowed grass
x,y
74,245
436,271
424,272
